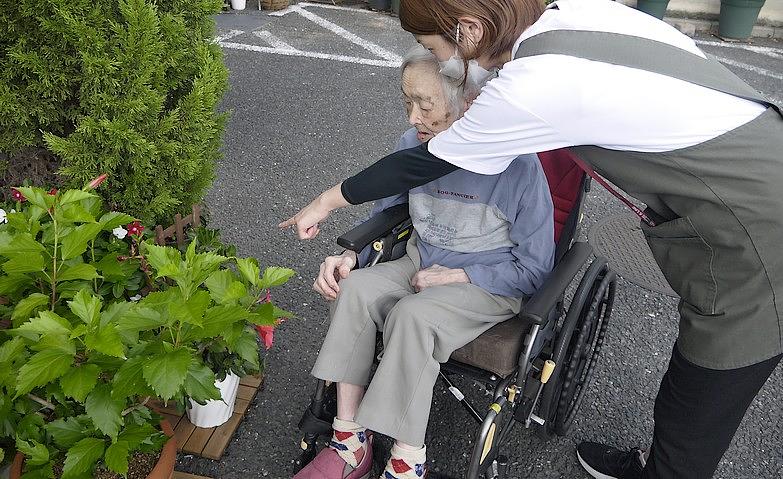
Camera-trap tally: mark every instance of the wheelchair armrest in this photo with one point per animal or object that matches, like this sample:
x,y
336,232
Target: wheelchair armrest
x,y
376,227
538,307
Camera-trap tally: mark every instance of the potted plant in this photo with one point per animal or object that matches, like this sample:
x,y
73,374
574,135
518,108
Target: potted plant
x,y
737,18
272,4
101,322
656,8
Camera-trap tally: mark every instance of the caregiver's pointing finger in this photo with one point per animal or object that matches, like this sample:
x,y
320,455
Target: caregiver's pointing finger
x,y
307,219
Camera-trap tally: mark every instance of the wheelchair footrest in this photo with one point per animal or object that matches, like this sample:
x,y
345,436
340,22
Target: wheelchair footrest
x,y
310,423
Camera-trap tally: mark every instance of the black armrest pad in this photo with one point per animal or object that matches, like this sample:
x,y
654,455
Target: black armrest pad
x,y
376,227
537,308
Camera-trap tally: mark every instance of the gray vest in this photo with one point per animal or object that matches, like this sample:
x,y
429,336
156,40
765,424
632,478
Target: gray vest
x,y
719,205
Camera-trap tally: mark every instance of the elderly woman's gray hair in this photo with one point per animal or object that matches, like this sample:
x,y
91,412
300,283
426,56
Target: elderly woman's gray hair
x,y
454,93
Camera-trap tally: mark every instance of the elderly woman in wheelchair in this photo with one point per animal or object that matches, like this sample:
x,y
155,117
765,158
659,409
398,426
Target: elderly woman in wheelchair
x,y
481,244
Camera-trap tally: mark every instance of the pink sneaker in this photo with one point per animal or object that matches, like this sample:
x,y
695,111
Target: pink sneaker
x,y
329,465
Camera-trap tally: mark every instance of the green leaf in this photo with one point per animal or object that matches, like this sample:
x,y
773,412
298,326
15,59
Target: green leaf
x,y
129,379
166,373
35,452
111,220
263,315
43,367
106,340
74,213
135,434
140,318
24,263
82,457
200,383
67,431
11,350
219,319
21,243
246,346
25,308
86,306
37,197
164,259
104,410
281,313
44,472
75,242
275,276
10,284
72,196
117,457
78,271
223,288
113,312
47,322
78,382
192,310
249,269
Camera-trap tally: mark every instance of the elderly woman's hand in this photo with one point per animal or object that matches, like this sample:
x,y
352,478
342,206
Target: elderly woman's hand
x,y
334,269
306,221
437,275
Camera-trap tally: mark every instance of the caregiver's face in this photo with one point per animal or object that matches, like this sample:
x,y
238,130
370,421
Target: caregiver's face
x,y
425,101
439,46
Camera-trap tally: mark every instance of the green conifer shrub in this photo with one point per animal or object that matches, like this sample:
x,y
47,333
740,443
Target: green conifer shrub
x,y
124,87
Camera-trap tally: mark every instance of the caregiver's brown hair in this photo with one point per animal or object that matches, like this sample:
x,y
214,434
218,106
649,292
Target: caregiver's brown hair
x,y
503,21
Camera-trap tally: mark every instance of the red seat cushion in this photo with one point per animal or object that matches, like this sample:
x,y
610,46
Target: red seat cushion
x,y
565,180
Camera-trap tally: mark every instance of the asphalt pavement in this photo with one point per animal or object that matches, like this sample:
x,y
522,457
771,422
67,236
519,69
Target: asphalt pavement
x,y
315,97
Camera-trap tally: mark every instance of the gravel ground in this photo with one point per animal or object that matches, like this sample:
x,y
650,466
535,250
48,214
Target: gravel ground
x,y
298,125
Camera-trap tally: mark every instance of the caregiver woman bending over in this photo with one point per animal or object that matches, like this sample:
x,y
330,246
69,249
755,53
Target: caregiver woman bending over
x,y
640,103
481,244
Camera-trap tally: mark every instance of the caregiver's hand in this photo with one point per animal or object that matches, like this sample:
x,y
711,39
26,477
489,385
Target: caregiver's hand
x,y
333,269
437,275
306,221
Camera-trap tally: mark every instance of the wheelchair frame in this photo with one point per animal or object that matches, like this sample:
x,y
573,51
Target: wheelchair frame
x,y
554,367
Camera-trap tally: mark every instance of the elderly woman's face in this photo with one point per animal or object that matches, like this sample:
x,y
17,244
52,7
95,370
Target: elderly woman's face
x,y
425,102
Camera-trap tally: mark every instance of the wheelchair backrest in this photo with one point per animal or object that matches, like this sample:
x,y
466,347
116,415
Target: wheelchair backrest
x,y
567,184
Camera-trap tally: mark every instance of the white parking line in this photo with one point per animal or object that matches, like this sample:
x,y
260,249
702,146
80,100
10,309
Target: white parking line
x,y
226,36
300,53
273,40
340,31
326,6
769,51
752,68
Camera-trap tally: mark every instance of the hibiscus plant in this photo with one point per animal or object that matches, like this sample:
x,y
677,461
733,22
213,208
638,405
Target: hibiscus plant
x,y
96,321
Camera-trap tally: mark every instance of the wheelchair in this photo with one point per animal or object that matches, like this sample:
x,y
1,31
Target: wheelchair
x,y
536,365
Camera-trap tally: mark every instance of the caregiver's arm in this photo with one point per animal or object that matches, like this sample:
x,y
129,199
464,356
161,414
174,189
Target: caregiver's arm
x,y
496,129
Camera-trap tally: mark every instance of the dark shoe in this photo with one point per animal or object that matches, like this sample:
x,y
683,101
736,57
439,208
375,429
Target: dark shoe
x,y
604,462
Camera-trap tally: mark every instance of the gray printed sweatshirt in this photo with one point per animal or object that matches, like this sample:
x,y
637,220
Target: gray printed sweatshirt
x,y
498,228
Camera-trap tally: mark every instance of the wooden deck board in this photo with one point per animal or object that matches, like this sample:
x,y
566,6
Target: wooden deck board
x,y
210,442
185,475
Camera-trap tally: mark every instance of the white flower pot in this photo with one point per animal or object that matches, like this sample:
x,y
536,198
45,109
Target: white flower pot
x,y
238,4
215,413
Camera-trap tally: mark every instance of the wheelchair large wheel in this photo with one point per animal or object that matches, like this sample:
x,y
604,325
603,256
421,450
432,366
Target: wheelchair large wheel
x,y
577,346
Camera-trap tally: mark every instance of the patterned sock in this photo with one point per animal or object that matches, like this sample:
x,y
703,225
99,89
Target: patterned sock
x,y
349,440
406,463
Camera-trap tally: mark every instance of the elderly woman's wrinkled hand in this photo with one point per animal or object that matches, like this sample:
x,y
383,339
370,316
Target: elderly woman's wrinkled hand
x,y
437,275
334,269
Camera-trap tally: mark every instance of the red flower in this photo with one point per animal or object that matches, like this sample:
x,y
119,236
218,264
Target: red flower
x,y
267,335
17,195
135,228
53,191
97,181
